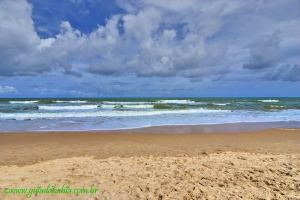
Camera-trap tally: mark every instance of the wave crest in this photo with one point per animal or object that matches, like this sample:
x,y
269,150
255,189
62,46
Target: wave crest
x,y
23,102
269,100
81,107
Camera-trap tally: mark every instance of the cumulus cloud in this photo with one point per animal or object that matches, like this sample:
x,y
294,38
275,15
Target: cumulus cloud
x,y
22,52
7,89
194,39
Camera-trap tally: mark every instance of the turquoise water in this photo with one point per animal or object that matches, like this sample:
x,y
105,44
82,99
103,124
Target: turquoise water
x,y
120,113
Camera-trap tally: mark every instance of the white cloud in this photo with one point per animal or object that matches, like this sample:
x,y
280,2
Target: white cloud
x,y
7,89
196,39
21,49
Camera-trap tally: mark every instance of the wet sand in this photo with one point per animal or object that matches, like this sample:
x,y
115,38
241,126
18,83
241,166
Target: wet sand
x,y
138,164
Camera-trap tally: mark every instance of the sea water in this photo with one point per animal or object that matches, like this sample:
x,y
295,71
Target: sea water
x,y
124,113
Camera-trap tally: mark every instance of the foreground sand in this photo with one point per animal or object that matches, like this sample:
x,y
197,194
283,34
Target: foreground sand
x,y
260,165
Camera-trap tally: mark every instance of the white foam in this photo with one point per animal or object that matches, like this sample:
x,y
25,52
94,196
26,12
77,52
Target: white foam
x,y
182,101
221,104
144,106
73,101
273,106
108,106
103,113
23,102
128,106
269,100
81,107
125,103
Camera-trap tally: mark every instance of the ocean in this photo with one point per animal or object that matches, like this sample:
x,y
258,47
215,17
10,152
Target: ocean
x,y
124,113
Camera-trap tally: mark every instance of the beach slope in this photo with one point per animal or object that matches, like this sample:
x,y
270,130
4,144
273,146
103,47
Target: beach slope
x,y
141,165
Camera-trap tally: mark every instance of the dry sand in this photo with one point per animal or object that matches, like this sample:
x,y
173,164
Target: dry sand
x,y
139,165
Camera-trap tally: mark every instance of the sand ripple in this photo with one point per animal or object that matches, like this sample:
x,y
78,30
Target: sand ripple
x,y
226,175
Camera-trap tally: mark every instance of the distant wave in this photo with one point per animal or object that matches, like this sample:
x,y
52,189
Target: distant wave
x,y
125,102
269,100
181,101
71,101
274,106
221,104
81,107
126,106
23,102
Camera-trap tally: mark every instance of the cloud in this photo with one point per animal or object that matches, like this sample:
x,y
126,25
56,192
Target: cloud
x,y
286,73
265,53
7,89
51,91
194,39
22,51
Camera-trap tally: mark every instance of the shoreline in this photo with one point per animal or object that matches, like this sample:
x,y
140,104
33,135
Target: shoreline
x,y
182,128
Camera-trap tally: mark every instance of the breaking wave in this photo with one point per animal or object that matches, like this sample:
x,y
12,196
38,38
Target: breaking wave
x,y
77,101
23,102
181,101
101,113
81,107
269,100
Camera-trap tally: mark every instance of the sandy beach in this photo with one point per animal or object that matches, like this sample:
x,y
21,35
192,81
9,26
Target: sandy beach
x,y
149,100
138,164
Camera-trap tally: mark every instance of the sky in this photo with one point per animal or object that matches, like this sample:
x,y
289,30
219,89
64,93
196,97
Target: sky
x,y
149,48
